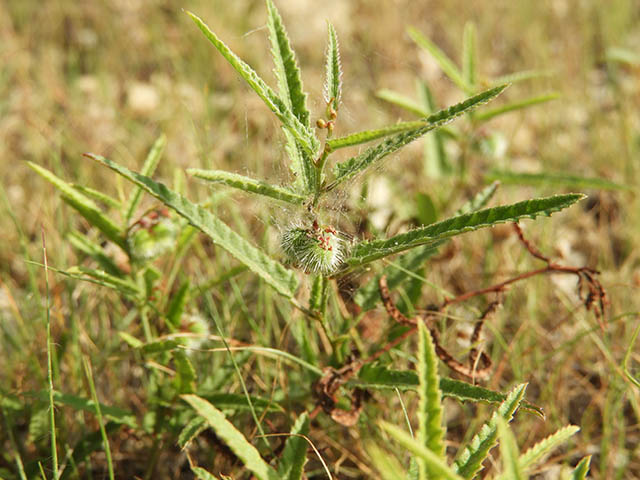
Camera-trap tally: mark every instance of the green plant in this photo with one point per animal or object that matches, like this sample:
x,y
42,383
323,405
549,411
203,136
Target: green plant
x,y
313,244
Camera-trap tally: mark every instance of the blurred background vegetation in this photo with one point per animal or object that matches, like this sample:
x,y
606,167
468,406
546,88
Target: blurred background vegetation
x,y
109,76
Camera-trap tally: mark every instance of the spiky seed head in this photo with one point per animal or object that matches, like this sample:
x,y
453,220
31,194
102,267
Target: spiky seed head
x,y
318,249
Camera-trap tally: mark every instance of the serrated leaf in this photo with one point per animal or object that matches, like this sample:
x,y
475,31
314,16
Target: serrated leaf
x,y
487,115
552,178
84,206
381,378
286,69
509,451
333,70
234,439
469,54
191,430
303,135
435,463
149,166
159,346
470,459
430,429
582,469
317,297
349,168
366,252
446,64
532,456
294,455
272,272
247,184
301,165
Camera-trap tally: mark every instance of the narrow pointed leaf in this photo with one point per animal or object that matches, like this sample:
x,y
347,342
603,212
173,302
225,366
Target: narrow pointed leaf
x,y
234,439
149,166
469,54
430,428
350,168
469,462
532,456
247,184
191,430
272,272
294,455
435,463
479,200
446,64
402,101
370,135
103,198
122,285
302,134
202,474
286,67
509,452
511,107
549,178
436,162
582,469
301,164
366,252
517,77
84,244
333,70
83,205
115,414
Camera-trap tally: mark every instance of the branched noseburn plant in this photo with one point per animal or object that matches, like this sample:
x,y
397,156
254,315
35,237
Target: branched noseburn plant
x,y
314,249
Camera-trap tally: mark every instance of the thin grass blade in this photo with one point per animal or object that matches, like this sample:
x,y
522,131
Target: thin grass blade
x,y
469,55
247,184
582,469
402,101
550,178
509,452
387,466
272,272
437,164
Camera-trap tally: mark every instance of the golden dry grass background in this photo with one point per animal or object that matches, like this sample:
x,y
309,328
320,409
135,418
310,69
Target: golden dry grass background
x,y
109,76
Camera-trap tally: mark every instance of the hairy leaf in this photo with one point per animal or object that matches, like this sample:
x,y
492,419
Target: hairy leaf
x,y
294,455
191,430
333,70
272,272
304,135
366,252
430,429
286,67
350,168
247,184
83,205
446,64
469,462
434,462
381,378
234,439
